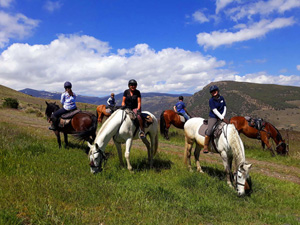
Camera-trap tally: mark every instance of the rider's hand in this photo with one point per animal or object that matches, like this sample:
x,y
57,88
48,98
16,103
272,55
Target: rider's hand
x,y
225,121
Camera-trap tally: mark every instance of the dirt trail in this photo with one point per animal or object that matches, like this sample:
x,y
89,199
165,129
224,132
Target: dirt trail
x,y
282,172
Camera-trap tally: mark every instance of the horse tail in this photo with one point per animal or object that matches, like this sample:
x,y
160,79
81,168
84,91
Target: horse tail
x,y
162,123
89,134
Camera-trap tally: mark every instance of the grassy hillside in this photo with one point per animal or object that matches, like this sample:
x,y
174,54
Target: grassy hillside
x,y
41,184
274,103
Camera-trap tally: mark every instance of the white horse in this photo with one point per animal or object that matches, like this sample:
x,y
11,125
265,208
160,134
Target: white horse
x,y
230,147
121,128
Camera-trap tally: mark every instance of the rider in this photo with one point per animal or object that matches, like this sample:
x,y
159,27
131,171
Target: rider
x,y
180,108
132,99
217,112
111,102
67,100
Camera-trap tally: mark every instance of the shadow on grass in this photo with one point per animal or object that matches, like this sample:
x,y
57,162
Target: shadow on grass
x,y
214,172
158,165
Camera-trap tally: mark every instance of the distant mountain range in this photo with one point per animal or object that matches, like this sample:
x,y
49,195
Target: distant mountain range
x,y
278,104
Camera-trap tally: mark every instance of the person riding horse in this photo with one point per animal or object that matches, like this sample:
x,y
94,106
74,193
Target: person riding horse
x,y
67,99
217,112
111,102
132,99
180,108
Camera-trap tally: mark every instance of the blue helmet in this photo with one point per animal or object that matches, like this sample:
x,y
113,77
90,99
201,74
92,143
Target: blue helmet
x,y
213,88
67,84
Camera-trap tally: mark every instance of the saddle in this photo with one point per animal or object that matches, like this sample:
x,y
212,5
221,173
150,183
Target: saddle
x,y
147,119
111,109
182,119
67,117
257,123
217,128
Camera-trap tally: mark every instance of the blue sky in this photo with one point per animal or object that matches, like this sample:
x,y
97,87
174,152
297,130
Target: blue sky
x,y
176,46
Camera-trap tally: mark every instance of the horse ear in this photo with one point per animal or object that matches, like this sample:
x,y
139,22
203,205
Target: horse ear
x,y
247,166
90,146
97,146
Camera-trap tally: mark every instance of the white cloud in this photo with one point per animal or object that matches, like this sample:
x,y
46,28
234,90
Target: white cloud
x,y
200,17
256,30
94,70
263,8
52,6
298,67
220,4
15,26
5,3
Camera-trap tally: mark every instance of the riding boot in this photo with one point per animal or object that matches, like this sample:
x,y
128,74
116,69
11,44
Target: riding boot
x,y
54,121
142,131
206,143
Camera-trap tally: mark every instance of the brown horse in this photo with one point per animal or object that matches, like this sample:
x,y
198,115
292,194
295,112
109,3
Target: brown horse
x,y
268,131
168,118
83,125
101,112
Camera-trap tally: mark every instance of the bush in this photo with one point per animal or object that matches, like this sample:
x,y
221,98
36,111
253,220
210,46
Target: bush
x,y
11,103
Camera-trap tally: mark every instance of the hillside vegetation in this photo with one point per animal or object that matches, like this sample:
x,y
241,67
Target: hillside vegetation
x,y
41,184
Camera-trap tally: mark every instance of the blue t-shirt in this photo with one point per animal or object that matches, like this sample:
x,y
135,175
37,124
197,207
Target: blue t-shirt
x,y
216,103
180,107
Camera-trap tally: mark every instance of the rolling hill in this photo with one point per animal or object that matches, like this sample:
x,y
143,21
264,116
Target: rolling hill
x,y
277,104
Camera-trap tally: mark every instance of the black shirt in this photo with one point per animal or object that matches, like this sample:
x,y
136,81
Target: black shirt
x,y
131,102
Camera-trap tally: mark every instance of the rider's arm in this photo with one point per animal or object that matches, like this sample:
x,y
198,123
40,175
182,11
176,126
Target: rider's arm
x,y
216,112
175,108
123,101
139,103
108,101
224,112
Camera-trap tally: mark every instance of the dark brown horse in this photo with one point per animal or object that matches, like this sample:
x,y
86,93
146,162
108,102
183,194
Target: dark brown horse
x,y
168,118
101,112
268,131
83,125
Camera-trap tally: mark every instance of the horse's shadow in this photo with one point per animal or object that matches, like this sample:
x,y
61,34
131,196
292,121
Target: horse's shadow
x,y
158,165
214,172
80,145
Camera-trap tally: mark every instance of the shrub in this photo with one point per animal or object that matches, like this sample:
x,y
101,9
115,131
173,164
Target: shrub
x,y
11,103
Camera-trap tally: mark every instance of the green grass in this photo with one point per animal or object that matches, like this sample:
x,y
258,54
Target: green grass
x,y
41,184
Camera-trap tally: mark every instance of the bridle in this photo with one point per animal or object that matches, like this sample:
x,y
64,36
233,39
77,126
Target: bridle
x,y
103,156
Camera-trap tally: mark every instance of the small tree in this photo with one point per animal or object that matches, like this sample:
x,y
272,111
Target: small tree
x,y
11,103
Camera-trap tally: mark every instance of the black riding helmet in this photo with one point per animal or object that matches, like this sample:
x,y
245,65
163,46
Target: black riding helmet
x,y
213,88
180,98
132,82
67,84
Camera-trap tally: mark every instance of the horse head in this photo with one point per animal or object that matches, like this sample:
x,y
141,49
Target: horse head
x,y
282,148
51,107
96,157
243,182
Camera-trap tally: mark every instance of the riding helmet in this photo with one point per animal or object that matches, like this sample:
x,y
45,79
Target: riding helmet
x,y
67,84
180,97
132,82
213,88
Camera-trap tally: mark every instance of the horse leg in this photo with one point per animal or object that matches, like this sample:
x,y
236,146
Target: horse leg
x,y
127,153
167,131
197,156
149,150
187,153
263,144
119,148
58,138
264,138
227,162
66,140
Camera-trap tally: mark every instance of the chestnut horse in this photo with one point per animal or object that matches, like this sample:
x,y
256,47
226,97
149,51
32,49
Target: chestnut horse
x,y
268,131
101,112
83,125
168,118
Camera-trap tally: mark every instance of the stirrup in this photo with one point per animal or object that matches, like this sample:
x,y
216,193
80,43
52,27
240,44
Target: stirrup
x,y
52,128
142,134
205,151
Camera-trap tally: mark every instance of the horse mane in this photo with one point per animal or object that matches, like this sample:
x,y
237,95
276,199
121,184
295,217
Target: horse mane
x,y
237,147
278,136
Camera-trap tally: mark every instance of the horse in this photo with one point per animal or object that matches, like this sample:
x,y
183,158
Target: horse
x,y
228,144
121,128
82,125
268,131
101,111
168,118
